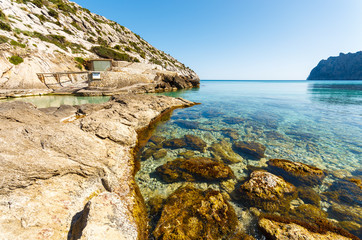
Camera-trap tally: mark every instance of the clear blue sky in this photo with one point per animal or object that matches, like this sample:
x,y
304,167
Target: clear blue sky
x,y
242,39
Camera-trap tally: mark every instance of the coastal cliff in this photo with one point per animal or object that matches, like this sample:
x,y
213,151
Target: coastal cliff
x,y
343,67
59,36
68,172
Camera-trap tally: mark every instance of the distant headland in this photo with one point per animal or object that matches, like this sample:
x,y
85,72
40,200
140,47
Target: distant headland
x,y
343,67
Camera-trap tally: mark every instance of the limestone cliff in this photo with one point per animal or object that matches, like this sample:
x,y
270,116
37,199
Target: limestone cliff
x,y
58,35
344,67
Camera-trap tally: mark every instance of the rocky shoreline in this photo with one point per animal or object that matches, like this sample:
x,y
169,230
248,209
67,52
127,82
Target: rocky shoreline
x,y
68,172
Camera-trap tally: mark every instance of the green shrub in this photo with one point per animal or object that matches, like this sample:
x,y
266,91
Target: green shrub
x,y
5,26
156,61
66,8
42,18
108,53
15,43
117,47
80,62
2,15
53,13
75,24
66,30
102,41
91,40
127,49
16,60
3,39
38,3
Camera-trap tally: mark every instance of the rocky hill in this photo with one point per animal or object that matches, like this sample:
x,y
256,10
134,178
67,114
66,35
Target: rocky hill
x,y
344,67
59,35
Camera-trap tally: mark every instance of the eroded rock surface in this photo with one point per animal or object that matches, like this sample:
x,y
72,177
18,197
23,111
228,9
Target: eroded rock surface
x,y
51,169
266,191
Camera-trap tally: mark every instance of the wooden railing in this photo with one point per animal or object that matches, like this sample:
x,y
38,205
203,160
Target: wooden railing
x,y
57,76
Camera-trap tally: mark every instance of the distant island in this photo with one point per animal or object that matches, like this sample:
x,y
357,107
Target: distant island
x,y
343,67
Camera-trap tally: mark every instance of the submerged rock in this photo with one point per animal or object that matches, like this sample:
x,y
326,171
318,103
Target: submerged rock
x,y
343,191
194,169
275,227
309,196
211,113
195,143
187,154
190,213
233,120
187,124
188,141
231,133
223,152
296,172
174,143
250,148
157,140
160,154
266,191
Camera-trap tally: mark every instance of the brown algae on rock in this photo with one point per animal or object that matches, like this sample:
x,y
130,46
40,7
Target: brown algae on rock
x,y
250,148
194,169
296,172
190,213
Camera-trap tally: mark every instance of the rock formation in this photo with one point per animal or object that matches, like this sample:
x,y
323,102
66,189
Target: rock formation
x,y
296,172
68,172
58,36
266,191
344,67
190,213
194,169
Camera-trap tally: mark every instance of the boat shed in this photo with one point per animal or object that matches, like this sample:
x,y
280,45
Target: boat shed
x,y
100,65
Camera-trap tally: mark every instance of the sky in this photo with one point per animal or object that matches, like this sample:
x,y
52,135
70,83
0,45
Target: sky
x,y
242,39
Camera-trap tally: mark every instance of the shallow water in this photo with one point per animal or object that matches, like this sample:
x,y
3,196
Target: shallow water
x,y
58,100
314,122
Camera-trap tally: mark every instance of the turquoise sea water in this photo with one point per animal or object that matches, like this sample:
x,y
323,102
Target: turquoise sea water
x,y
314,122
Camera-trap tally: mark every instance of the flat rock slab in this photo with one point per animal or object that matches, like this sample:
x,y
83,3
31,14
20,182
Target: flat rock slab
x,y
51,169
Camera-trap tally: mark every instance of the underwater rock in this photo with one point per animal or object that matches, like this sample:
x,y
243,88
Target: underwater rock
x,y
308,213
187,124
187,154
194,169
309,196
357,181
195,143
266,191
223,152
190,213
274,135
250,148
267,119
160,154
352,227
343,191
228,185
174,143
211,113
147,153
302,136
276,227
296,172
231,133
233,120
157,140
342,212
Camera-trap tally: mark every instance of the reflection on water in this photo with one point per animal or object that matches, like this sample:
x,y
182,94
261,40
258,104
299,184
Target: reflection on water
x,y
338,92
58,100
316,123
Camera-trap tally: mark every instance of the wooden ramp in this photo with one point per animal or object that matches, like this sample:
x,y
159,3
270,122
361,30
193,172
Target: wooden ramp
x,y
56,80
